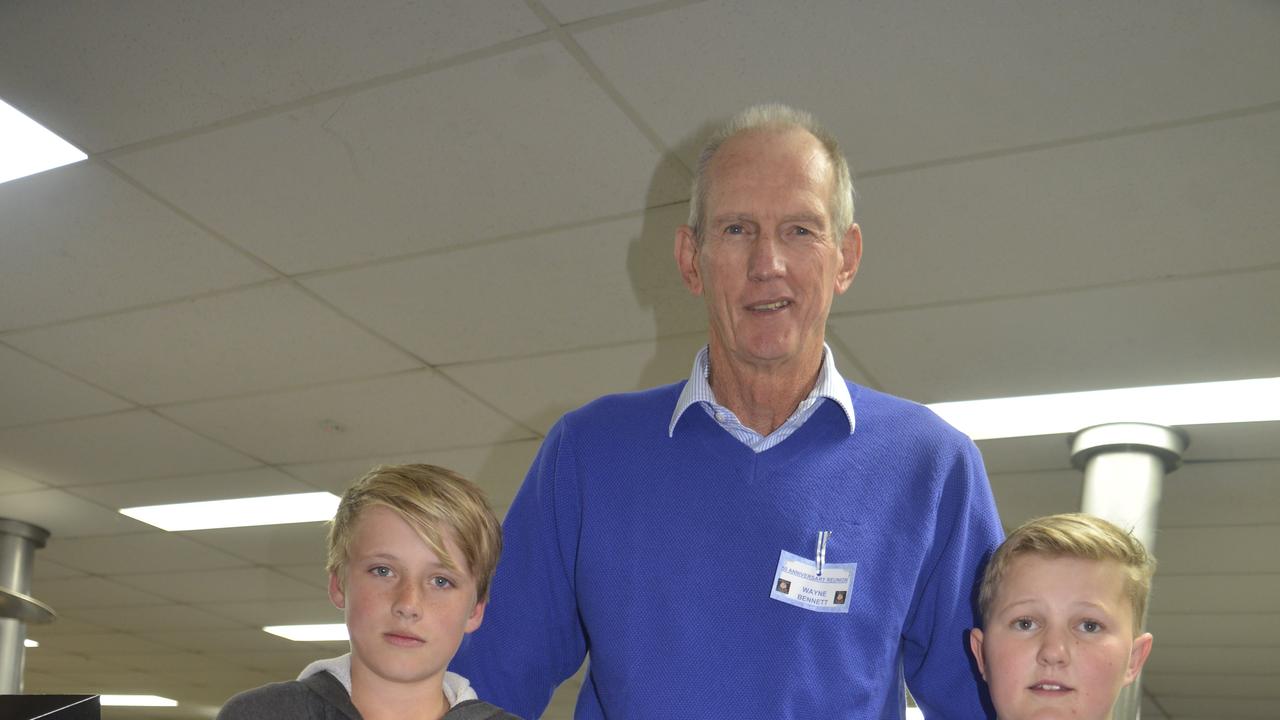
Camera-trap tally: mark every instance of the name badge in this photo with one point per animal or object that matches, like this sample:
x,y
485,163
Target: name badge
x,y
797,582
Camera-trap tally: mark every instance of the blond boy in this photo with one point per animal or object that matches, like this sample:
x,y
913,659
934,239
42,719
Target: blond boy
x,y
1062,602
412,550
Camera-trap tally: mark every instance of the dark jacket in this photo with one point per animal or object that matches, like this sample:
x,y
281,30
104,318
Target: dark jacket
x,y
322,697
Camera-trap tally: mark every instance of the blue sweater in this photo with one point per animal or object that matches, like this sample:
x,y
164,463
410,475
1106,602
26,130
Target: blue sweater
x,y
657,554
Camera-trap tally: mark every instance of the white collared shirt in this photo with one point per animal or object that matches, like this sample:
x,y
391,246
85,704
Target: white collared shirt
x,y
830,386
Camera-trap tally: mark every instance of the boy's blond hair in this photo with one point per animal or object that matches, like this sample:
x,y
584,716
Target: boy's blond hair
x,y
428,498
1074,535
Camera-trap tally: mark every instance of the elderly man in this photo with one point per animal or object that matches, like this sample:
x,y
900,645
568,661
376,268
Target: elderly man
x,y
765,540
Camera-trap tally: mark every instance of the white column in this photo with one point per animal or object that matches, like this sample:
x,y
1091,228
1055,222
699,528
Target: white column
x,y
1124,466
18,543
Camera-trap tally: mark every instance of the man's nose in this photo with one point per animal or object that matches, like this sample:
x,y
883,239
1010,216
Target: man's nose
x,y
766,261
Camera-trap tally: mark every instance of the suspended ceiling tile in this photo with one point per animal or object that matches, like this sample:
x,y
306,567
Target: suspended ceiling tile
x,y
498,469
193,488
1212,707
1021,496
499,146
396,414
11,482
122,77
594,285
154,551
1177,202
269,545
67,516
1189,330
902,84
538,390
1218,594
250,340
1218,494
1234,441
1190,630
78,240
107,448
570,11
1025,454
225,585
89,592
1220,549
155,617
34,392
278,612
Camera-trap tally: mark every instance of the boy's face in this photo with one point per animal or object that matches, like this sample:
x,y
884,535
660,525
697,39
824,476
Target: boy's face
x,y
1060,639
406,611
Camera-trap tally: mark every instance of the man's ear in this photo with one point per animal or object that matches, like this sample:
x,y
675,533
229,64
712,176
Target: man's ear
x,y
850,258
477,616
1138,656
687,258
975,647
336,594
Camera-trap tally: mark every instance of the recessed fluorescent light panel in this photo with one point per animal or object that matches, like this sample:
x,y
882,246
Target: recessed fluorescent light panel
x,y
310,633
240,512
27,148
136,701
1233,401
28,642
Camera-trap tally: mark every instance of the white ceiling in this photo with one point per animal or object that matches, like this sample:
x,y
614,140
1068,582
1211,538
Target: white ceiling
x,y
312,237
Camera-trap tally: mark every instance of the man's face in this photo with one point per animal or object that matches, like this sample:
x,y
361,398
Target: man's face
x,y
406,611
770,263
1060,640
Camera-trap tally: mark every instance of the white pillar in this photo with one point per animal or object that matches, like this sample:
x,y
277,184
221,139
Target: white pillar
x,y
1124,466
18,543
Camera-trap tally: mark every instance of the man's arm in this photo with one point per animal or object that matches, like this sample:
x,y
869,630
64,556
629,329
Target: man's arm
x,y
940,673
531,640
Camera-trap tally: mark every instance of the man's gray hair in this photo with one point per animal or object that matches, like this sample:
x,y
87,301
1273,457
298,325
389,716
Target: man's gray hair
x,y
776,117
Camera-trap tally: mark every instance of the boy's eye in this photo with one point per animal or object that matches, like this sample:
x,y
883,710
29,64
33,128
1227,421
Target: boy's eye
x,y
380,571
1024,624
441,582
1091,626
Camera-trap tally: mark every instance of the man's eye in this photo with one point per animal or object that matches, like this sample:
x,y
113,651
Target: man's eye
x,y
734,230
1024,624
1091,626
801,231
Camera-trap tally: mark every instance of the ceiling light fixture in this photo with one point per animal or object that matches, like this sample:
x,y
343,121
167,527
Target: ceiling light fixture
x,y
1230,401
28,642
27,148
238,512
136,701
310,633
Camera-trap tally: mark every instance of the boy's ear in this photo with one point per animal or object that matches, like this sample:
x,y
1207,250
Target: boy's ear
x,y
1138,656
477,616
336,594
975,646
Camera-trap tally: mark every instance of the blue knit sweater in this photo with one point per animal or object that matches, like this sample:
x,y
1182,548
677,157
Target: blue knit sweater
x,y
657,554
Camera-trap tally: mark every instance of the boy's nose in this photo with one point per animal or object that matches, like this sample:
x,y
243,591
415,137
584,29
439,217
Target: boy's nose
x,y
408,602
1053,649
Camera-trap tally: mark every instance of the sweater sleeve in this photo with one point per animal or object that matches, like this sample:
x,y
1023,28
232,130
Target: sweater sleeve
x,y
531,639
939,671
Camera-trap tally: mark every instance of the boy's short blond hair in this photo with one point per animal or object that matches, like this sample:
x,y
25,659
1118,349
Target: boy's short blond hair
x,y
1073,535
428,498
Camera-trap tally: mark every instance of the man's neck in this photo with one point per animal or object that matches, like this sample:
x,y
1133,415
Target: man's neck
x,y
762,396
